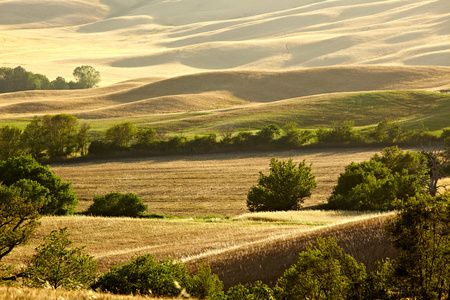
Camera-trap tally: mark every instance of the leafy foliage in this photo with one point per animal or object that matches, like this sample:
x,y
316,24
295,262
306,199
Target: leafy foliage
x,y
322,272
146,276
59,264
117,204
421,231
256,291
59,199
19,213
86,76
283,189
120,135
206,285
378,183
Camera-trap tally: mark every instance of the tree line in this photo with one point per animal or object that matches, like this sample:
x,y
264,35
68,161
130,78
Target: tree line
x,y
63,136
18,79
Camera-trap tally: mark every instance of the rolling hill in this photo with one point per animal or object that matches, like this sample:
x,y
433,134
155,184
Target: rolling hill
x,y
126,39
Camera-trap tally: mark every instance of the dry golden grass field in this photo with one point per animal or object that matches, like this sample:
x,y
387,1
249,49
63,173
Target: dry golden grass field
x,y
242,248
213,184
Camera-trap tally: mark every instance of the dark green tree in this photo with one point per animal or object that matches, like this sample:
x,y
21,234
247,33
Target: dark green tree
x,y
283,189
421,231
59,200
206,285
19,213
10,142
86,76
117,205
60,264
377,184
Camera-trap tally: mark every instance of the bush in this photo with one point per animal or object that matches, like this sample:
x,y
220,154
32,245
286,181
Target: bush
x,y
206,285
283,189
117,205
60,200
59,264
146,276
378,183
256,291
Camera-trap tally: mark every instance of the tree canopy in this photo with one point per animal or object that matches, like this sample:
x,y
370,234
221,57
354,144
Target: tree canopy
x,y
59,198
283,189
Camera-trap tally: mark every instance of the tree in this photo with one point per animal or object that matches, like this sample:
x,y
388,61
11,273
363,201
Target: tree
x,y
117,205
421,231
10,144
59,84
205,284
322,272
19,213
86,76
59,264
144,276
60,134
283,189
378,183
59,200
120,135
33,138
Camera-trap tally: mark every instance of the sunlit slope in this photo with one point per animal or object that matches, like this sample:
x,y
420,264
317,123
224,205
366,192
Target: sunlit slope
x,y
127,39
219,90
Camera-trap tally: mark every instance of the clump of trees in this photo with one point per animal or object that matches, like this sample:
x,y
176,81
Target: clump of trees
x,y
52,136
19,79
284,188
378,184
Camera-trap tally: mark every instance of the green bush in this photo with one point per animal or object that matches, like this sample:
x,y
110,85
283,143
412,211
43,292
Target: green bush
x,y
283,189
206,285
378,183
60,200
117,205
256,291
146,276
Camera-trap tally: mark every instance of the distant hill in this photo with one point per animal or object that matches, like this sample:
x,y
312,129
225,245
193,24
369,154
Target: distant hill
x,y
126,39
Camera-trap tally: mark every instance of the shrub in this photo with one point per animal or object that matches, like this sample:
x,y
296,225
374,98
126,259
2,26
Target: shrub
x,y
60,200
206,285
146,276
283,189
256,291
59,264
117,205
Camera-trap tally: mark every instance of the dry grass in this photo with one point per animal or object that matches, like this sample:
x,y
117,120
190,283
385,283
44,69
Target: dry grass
x,y
266,260
200,185
11,293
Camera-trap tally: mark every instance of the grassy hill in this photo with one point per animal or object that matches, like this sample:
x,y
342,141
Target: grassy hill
x,y
201,103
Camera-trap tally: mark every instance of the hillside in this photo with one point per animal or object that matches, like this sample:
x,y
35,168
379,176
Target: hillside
x,y
206,102
126,39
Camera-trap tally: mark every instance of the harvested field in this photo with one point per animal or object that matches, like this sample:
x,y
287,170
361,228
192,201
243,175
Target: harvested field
x,y
215,184
115,241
